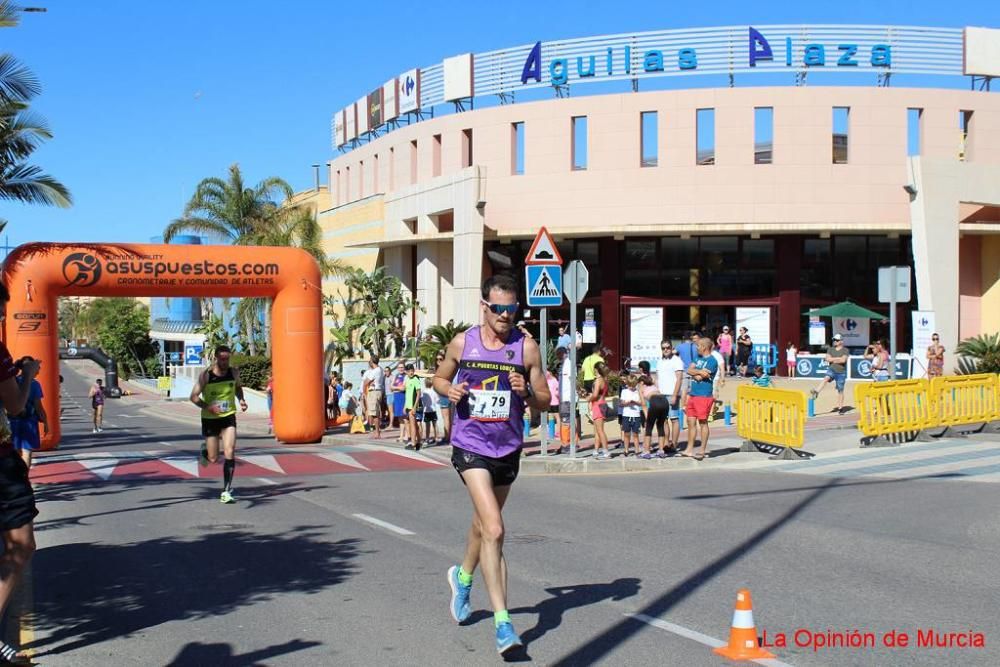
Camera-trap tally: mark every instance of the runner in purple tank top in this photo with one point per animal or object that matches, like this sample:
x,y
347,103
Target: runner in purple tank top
x,y
490,373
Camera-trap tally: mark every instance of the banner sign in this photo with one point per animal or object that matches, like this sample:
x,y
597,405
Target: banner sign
x,y
409,91
375,109
645,334
854,331
861,368
758,324
810,366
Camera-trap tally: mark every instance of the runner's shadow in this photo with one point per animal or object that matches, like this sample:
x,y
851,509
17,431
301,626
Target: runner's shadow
x,y
565,598
196,653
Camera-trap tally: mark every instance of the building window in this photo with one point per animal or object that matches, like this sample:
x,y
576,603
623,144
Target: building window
x,y
705,128
648,137
914,130
517,148
340,189
841,125
436,155
965,127
680,272
413,162
467,148
375,174
361,179
763,135
347,184
578,125
392,169
641,267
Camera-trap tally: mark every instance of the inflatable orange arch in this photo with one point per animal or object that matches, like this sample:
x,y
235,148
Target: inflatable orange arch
x,y
38,274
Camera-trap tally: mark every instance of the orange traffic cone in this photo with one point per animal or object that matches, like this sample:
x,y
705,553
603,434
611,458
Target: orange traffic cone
x,y
743,634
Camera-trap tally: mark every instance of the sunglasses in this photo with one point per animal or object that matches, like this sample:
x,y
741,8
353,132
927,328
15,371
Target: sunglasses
x,y
935,338
666,347
500,309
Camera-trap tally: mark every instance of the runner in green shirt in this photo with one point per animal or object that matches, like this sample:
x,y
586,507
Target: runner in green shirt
x,y
412,389
216,392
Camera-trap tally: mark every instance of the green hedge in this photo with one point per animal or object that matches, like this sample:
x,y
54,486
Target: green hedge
x,y
253,370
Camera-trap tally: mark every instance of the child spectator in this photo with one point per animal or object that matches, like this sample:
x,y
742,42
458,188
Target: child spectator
x,y
631,414
790,354
760,379
428,405
348,404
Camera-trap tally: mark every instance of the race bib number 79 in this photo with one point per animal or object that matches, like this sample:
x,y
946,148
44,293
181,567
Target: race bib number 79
x,y
489,405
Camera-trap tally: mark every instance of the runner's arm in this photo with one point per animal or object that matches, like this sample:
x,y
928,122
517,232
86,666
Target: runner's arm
x,y
14,396
196,391
447,369
239,389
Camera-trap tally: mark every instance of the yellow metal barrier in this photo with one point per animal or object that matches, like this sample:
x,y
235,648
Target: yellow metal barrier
x,y
966,399
901,407
771,416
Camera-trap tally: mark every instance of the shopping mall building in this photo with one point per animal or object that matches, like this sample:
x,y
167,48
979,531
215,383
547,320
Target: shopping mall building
x,y
700,172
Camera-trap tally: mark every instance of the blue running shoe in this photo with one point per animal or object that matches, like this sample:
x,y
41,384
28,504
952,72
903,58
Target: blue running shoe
x,y
507,639
460,609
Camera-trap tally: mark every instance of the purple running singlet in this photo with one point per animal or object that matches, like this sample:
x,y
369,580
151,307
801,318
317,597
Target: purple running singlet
x,y
488,421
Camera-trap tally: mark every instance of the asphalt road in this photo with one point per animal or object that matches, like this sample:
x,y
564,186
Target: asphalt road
x,y
619,569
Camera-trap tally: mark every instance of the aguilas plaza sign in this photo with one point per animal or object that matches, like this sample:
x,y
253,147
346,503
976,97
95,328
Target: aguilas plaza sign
x,y
657,60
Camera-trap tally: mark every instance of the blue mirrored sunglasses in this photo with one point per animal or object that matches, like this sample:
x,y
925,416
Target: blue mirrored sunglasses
x,y
500,309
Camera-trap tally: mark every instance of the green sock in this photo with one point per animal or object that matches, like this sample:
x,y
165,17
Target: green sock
x,y
464,577
500,617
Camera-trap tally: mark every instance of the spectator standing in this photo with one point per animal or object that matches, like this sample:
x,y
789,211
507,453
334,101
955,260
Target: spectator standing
x,y
598,403
744,346
397,405
428,412
631,403
720,377
935,357
589,367
791,352
725,344
413,389
566,389
878,354
700,402
670,371
373,388
564,339
24,425
554,405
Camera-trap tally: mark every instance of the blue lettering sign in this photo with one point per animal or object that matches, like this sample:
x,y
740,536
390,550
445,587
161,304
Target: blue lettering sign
x,y
628,59
764,53
687,59
559,71
653,61
610,50
788,51
881,55
815,55
845,59
579,67
533,65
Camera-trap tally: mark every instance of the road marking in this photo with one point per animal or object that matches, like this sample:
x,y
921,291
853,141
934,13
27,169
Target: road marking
x,y
383,524
103,468
694,635
341,458
263,461
187,465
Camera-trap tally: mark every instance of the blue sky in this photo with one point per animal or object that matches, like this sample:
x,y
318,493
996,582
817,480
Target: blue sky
x,y
148,97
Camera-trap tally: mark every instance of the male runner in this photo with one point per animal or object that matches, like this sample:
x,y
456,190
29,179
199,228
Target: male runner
x,y
215,393
17,499
490,373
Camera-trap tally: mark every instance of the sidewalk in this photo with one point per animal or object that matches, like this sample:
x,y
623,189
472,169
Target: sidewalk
x,y
826,433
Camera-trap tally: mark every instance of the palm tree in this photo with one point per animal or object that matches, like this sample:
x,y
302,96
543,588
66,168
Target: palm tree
x,y
21,132
291,227
17,82
230,210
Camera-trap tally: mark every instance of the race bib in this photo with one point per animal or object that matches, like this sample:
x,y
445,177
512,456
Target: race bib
x,y
221,406
489,405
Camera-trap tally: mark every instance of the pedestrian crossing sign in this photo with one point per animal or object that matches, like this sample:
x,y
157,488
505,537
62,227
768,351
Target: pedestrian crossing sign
x,y
544,285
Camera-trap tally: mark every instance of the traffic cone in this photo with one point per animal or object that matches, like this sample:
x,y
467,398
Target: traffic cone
x,y
743,633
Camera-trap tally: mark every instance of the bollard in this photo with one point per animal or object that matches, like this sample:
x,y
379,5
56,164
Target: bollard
x,y
552,426
527,425
811,408
729,415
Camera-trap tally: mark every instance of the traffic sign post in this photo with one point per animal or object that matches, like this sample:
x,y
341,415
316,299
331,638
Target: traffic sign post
x,y
543,286
893,287
577,281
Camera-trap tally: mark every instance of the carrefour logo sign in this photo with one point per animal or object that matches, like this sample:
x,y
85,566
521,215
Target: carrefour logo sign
x,y
686,59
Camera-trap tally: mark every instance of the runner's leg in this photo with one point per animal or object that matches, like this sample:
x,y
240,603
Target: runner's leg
x,y
19,545
212,448
485,541
229,453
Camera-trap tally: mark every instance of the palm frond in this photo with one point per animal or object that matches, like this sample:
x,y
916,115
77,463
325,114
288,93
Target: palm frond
x,y
197,225
17,82
27,183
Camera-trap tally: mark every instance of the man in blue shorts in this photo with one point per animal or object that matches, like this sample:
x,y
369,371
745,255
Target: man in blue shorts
x,y
837,356
490,373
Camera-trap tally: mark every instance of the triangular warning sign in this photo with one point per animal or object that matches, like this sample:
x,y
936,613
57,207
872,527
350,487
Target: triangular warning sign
x,y
544,286
543,250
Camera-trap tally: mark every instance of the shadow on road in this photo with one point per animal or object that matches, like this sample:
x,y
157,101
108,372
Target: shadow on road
x,y
597,648
197,653
565,598
95,592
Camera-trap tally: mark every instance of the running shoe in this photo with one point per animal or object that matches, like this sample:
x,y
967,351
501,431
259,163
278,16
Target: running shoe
x,y
226,498
95,430
203,455
460,609
507,639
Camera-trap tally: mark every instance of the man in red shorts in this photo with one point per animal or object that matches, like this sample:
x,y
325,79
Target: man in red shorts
x,y
700,398
17,499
